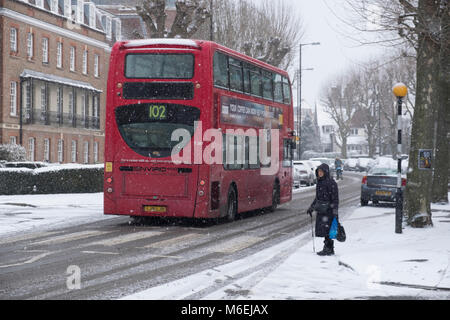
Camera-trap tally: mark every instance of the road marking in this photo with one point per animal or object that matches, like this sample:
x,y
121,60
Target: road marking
x,y
28,237
126,238
236,244
101,252
31,260
70,237
170,242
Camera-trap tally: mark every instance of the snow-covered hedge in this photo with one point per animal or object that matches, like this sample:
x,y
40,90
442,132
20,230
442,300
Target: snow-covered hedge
x,y
71,178
12,152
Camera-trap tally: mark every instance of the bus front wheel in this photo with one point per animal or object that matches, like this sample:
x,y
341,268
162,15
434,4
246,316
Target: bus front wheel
x,y
231,204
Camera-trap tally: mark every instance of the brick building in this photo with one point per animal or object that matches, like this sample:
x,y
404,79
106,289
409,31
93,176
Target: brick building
x,y
54,57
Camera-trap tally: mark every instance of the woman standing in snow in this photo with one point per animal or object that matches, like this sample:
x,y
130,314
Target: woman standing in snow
x,y
326,205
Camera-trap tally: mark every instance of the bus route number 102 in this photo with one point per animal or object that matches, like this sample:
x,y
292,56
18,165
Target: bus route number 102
x,y
157,112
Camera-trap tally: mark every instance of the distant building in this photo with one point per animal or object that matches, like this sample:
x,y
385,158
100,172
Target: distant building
x,y
53,71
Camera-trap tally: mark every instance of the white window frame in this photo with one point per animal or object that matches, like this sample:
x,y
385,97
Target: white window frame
x,y
85,61
92,15
44,50
108,27
83,107
80,11
71,103
95,151
39,3
13,39
13,98
47,149
43,98
60,150
74,151
72,58
59,53
31,149
12,140
30,45
118,30
96,65
86,152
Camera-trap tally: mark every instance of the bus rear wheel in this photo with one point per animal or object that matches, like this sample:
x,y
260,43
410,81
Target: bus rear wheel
x,y
231,205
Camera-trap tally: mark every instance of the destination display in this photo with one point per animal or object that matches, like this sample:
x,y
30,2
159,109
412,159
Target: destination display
x,y
247,113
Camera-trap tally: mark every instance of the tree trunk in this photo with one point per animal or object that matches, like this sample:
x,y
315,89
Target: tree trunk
x,y
418,189
441,167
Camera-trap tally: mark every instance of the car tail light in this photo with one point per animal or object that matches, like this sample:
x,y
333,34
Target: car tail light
x,y
403,182
364,180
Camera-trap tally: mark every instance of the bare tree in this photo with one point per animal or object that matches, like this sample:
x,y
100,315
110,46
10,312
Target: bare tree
x,y
268,32
341,103
190,16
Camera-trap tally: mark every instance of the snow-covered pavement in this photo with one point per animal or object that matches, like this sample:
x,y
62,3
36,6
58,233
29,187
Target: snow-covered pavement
x,y
20,213
373,262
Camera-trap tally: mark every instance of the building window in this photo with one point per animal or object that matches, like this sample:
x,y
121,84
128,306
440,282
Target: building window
x,y
54,6
44,101
13,140
30,48
31,146
95,152
13,98
59,104
72,58
40,3
74,151
85,60
96,65
60,150
83,109
47,150
45,50
354,132
28,101
59,54
108,27
68,8
86,152
13,39
80,11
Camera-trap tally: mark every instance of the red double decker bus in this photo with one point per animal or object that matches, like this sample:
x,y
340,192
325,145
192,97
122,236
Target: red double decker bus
x,y
225,105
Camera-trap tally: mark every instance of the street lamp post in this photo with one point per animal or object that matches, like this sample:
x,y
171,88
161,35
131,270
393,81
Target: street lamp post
x,y
299,97
400,91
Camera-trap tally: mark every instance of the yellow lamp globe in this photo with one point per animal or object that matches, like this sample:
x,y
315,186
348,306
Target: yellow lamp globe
x,y
400,90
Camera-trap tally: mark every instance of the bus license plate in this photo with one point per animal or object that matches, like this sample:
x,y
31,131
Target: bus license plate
x,y
155,209
383,193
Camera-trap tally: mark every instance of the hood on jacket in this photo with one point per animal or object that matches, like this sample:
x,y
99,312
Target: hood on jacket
x,y
325,168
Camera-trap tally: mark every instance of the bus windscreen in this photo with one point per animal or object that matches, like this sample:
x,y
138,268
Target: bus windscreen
x,y
147,128
159,66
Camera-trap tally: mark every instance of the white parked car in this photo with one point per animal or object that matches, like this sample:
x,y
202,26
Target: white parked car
x,y
303,174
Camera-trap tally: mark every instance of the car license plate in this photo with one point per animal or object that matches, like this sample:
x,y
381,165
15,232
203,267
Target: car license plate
x,y
155,209
383,193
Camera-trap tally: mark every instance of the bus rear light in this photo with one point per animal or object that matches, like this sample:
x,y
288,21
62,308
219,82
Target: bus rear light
x,y
109,190
364,180
119,85
403,182
202,182
109,180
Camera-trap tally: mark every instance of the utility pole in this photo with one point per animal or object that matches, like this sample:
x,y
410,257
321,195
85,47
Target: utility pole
x,y
299,97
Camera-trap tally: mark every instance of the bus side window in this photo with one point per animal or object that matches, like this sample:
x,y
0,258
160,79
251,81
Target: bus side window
x,y
220,66
236,82
286,91
267,85
278,90
255,82
253,152
247,86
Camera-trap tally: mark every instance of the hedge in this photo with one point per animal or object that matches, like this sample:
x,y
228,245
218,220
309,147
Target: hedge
x,y
52,179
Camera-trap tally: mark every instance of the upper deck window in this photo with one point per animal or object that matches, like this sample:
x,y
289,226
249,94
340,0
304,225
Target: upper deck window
x,y
159,66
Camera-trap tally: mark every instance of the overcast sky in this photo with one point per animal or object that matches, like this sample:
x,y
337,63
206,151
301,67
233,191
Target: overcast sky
x,y
336,51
